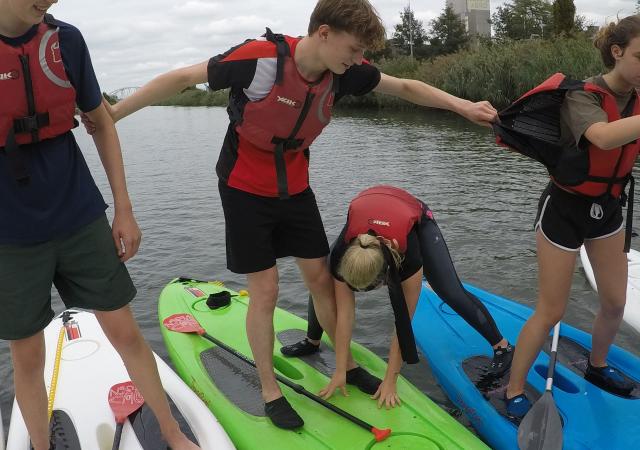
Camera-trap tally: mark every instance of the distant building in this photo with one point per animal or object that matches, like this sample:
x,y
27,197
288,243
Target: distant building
x,y
475,14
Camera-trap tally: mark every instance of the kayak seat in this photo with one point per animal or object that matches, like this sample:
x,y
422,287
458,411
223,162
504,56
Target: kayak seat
x,y
575,357
491,386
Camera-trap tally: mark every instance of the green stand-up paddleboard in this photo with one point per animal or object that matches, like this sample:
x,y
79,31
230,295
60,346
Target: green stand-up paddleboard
x,y
230,387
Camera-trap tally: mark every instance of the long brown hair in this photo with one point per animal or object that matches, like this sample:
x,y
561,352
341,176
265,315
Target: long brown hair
x,y
620,34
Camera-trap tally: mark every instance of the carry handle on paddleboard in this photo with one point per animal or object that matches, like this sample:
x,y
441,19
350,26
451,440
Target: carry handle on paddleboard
x,y
186,323
541,428
124,400
66,316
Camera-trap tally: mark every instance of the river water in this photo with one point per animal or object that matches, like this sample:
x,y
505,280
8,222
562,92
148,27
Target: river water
x,y
484,199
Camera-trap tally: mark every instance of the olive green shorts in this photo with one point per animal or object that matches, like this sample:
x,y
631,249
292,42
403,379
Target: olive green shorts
x,y
84,268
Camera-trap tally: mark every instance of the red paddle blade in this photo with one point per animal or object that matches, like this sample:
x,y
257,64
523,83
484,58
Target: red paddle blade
x,y
124,399
183,323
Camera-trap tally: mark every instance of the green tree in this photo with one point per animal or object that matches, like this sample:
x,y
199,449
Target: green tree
x,y
522,19
408,31
448,33
564,13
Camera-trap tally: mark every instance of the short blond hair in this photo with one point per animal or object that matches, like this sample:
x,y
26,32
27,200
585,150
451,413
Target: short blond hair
x,y
363,261
356,17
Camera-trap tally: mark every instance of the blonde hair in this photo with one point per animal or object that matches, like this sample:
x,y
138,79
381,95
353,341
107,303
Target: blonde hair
x,y
363,261
619,34
356,17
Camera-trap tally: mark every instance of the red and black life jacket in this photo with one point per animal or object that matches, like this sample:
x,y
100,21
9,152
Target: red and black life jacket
x,y
531,126
38,101
388,211
291,116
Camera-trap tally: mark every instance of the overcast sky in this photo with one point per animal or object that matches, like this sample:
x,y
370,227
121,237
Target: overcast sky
x,y
131,41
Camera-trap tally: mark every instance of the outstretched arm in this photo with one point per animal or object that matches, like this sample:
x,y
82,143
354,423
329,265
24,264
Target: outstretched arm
x,y
160,88
125,231
481,113
611,135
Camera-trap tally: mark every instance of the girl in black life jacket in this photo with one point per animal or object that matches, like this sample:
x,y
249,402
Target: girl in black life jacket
x,y
599,122
388,238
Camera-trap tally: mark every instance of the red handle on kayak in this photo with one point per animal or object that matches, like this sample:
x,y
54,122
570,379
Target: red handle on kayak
x,y
186,323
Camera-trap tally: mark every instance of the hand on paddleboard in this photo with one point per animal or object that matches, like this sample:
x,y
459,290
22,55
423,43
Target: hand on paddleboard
x,y
338,381
387,394
126,235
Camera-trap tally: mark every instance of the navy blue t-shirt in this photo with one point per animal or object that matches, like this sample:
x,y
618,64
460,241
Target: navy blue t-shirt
x,y
61,195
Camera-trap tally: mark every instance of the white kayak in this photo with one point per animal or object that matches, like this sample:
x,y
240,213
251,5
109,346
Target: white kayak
x,y
89,367
632,308
1,432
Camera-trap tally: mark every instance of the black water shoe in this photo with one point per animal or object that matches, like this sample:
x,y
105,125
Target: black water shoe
x,y
300,348
501,362
282,414
609,379
363,380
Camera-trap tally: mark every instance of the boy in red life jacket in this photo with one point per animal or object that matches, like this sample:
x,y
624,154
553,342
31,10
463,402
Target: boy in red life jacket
x,y
596,149
53,227
282,93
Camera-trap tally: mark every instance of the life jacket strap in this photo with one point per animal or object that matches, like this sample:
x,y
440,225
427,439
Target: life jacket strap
x,y
404,331
282,49
15,158
628,200
281,172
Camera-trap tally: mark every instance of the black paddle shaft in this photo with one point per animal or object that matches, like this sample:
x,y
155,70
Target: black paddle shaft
x,y
117,436
296,387
552,365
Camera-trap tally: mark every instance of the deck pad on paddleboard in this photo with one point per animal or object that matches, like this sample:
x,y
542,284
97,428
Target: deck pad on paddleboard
x,y
324,361
235,378
63,433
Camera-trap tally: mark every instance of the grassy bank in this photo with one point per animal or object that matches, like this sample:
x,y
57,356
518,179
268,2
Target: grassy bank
x,y
499,73
496,72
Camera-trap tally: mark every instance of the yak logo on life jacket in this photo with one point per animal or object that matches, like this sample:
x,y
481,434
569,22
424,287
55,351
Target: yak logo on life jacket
x,y
379,222
288,102
11,75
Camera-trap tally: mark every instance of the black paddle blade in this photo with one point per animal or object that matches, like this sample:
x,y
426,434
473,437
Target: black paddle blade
x,y
541,428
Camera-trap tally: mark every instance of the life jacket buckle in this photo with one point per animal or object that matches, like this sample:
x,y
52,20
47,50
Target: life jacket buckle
x,y
29,124
287,144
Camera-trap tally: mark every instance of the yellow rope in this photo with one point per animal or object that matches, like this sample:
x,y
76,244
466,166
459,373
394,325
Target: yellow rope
x,y
54,376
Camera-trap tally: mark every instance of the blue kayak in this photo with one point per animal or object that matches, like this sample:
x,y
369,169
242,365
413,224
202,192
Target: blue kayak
x,y
459,358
